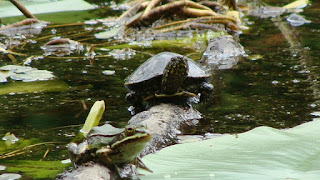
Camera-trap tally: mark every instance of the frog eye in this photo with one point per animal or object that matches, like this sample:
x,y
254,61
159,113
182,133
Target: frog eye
x,y
130,131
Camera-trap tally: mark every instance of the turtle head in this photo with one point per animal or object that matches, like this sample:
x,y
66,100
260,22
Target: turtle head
x,y
174,74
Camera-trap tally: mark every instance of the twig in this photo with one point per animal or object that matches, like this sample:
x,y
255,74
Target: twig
x,y
22,9
197,12
199,19
63,25
21,151
191,25
150,6
133,10
11,52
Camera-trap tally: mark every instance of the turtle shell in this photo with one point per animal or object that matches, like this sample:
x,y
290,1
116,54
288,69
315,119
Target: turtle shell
x,y
155,66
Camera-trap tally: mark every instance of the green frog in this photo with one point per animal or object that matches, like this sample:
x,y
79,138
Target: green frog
x,y
111,146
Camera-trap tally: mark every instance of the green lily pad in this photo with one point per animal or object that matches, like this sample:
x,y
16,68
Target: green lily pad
x,y
2,168
24,73
261,153
109,33
4,75
7,9
33,87
35,169
36,75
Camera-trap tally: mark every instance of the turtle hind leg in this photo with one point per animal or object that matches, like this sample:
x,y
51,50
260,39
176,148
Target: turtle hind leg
x,y
136,101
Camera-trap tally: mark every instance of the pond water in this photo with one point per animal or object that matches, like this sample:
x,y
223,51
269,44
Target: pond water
x,y
279,89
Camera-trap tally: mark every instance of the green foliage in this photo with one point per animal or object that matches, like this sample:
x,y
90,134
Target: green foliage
x,y
191,43
93,117
32,87
35,169
262,153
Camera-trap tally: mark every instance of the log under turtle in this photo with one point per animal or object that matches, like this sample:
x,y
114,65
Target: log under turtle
x,y
167,75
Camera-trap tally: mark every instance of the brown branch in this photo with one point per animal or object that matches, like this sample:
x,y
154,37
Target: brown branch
x,y
203,19
191,25
21,23
192,12
22,9
133,10
150,6
210,4
165,9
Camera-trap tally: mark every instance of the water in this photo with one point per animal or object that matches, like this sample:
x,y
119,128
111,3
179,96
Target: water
x,y
280,89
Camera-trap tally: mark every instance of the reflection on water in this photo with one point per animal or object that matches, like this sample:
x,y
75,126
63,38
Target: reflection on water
x,y
280,89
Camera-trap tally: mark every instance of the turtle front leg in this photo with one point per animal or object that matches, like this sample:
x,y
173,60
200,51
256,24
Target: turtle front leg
x,y
136,101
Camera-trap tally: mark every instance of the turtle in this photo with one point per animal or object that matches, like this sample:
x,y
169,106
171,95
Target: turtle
x,y
166,75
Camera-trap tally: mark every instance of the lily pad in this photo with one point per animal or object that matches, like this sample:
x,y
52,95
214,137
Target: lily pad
x,y
262,153
36,75
298,4
24,73
297,20
35,169
10,176
4,75
33,87
2,168
7,9
109,33
10,138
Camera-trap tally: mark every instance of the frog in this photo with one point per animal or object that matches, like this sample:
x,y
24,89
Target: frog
x,y
111,146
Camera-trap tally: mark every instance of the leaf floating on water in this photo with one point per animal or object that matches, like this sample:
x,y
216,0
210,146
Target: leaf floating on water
x,y
61,47
299,4
10,138
10,176
108,72
122,54
36,169
16,68
259,153
255,57
40,6
66,161
316,113
4,75
33,87
109,33
27,27
24,73
297,20
36,75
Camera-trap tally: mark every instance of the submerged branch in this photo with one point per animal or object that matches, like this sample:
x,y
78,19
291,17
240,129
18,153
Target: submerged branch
x,y
22,150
